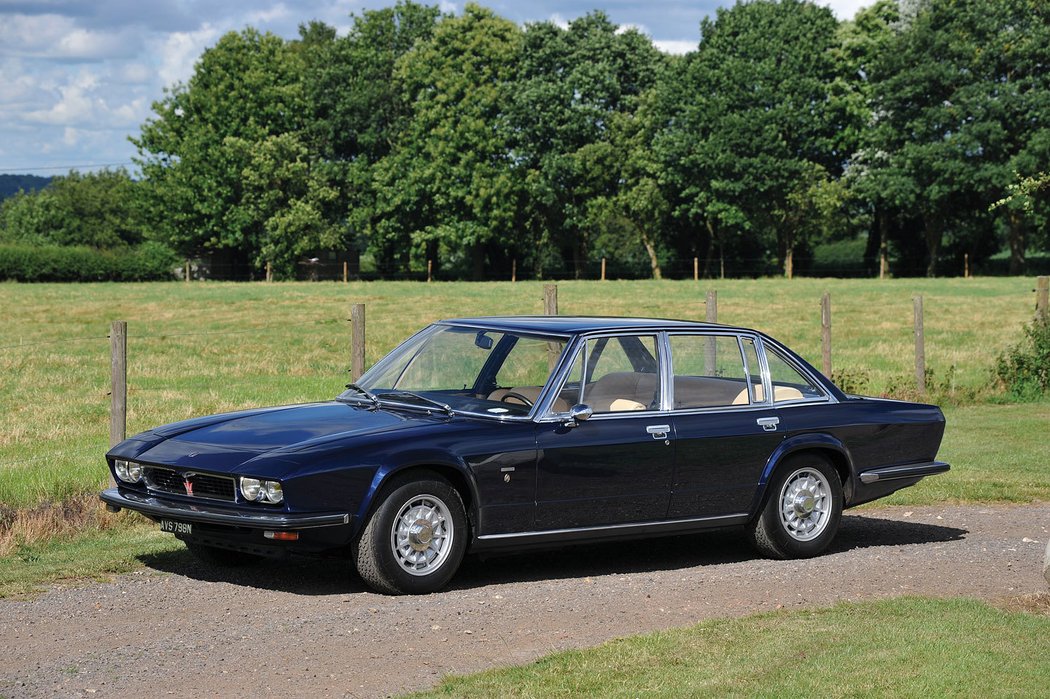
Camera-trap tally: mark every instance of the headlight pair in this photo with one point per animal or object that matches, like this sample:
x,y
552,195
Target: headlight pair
x,y
256,490
127,471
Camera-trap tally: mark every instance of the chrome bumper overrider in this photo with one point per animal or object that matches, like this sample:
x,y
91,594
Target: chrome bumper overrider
x,y
209,514
890,473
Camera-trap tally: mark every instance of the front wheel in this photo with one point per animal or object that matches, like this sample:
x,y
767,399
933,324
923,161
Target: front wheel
x,y
415,540
802,512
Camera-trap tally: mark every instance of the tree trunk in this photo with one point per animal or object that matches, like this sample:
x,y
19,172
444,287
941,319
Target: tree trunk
x,y
884,246
710,249
789,255
654,262
1015,225
933,244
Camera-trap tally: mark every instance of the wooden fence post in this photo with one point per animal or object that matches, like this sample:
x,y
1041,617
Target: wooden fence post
x,y
514,270
711,350
430,270
269,272
1042,299
187,277
825,332
357,341
603,269
696,269
712,307
346,271
966,265
920,349
550,299
118,393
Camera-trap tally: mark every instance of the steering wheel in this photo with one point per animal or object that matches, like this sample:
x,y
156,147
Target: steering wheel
x,y
517,397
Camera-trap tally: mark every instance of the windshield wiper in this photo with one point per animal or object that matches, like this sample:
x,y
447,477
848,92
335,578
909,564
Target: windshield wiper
x,y
366,393
415,396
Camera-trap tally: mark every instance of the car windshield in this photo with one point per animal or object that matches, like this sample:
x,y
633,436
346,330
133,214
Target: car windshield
x,y
472,370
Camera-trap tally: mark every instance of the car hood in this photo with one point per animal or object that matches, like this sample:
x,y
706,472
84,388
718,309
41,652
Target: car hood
x,y
224,442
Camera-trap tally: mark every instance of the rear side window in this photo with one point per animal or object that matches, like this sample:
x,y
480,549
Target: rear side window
x,y
708,372
788,382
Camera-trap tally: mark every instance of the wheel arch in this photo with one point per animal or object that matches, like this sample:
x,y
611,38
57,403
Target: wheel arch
x,y
825,445
387,478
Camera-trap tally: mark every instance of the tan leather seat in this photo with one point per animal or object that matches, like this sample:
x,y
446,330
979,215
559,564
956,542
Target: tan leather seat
x,y
780,394
622,391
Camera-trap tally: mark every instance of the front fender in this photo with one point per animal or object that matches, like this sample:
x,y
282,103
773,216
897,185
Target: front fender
x,y
422,459
803,442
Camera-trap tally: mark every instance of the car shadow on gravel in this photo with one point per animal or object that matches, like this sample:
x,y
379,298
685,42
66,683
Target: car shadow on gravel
x,y
719,547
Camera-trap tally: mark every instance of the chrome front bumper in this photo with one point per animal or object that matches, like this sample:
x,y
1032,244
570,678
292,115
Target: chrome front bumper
x,y
159,508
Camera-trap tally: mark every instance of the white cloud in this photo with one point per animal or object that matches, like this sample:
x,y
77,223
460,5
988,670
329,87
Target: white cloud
x,y
845,9
57,37
678,47
559,21
181,50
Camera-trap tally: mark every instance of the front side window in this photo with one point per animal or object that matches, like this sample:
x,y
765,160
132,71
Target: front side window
x,y
614,375
709,372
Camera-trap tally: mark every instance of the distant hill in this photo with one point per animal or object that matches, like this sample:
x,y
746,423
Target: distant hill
x,y
10,184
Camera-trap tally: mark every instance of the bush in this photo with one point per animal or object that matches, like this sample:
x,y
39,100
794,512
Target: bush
x,y
1024,369
844,258
53,263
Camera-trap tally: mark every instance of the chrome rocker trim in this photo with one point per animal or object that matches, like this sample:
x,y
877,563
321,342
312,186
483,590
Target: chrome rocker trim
x,y
187,512
889,473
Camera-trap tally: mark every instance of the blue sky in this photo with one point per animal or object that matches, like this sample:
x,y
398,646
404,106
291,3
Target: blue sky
x,y
78,76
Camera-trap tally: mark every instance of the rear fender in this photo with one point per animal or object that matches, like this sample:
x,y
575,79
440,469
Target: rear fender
x,y
816,441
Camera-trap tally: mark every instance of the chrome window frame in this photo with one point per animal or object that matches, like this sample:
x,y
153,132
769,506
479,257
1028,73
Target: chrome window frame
x,y
560,376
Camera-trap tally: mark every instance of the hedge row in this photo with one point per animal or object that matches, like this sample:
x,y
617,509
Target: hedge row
x,y
52,263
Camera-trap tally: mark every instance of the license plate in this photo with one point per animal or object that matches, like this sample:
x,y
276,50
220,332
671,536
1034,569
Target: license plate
x,y
173,527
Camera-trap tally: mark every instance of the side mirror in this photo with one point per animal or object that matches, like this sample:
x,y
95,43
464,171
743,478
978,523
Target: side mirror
x,y
579,413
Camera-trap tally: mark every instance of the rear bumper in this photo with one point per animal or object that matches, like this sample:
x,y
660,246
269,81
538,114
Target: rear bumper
x,y
157,508
912,471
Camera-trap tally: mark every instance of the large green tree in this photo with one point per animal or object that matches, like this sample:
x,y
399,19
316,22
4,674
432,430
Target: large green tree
x,y
575,91
762,127
962,103
194,152
450,178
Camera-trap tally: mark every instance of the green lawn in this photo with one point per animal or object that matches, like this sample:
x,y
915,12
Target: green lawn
x,y
907,647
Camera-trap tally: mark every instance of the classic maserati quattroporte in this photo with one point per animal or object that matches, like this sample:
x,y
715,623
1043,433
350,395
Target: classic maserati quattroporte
x,y
486,434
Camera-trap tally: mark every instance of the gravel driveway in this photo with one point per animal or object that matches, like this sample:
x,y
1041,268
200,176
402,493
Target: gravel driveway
x,y
180,628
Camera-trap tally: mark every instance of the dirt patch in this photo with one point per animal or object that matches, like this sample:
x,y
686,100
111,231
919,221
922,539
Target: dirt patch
x,y
291,629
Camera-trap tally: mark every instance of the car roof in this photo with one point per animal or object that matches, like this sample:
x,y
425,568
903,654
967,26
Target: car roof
x,y
575,325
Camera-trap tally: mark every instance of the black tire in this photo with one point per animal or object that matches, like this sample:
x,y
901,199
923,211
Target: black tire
x,y
221,558
415,539
802,510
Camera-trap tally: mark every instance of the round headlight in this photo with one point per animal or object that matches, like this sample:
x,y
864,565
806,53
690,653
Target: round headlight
x,y
251,488
273,492
127,471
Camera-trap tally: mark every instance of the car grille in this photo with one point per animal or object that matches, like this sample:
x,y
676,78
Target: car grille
x,y
201,485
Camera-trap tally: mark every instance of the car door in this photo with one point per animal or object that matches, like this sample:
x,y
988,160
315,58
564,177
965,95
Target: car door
x,y
725,428
616,466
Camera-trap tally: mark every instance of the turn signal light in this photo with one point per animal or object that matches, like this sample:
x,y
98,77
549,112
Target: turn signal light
x,y
282,536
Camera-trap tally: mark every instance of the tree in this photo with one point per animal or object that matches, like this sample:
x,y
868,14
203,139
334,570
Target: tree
x,y
759,114
244,90
96,210
961,97
573,86
451,176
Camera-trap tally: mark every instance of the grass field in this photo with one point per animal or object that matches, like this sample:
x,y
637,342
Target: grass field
x,y
906,647
207,347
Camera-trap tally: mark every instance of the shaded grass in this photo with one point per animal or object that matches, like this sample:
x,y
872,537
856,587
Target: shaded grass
x,y
208,347
908,647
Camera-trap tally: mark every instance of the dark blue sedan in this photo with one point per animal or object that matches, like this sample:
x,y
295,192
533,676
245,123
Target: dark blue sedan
x,y
486,434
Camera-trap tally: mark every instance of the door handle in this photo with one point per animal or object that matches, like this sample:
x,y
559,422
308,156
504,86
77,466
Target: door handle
x,y
658,431
769,424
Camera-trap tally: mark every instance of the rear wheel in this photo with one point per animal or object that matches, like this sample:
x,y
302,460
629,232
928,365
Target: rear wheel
x,y
415,540
802,512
